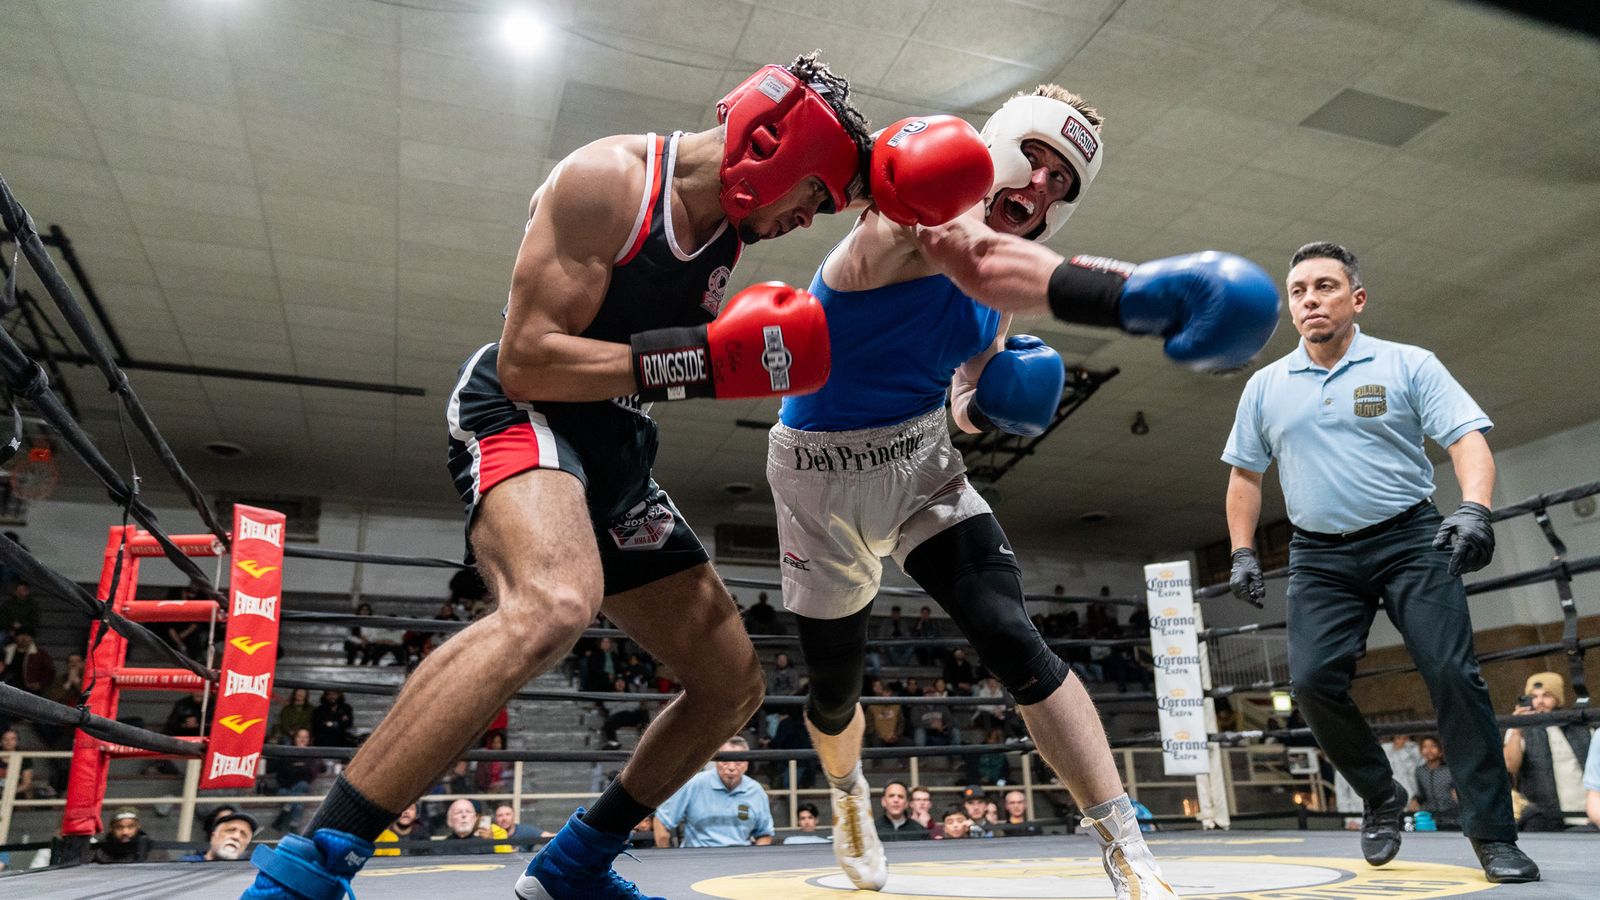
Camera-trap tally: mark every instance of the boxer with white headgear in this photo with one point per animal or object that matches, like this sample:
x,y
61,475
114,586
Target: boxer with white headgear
x,y
907,324
1057,124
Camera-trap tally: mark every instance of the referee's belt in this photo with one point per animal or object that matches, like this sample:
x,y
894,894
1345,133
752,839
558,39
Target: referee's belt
x,y
1370,530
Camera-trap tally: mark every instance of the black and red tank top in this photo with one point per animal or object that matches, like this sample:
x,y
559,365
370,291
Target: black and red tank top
x,y
655,282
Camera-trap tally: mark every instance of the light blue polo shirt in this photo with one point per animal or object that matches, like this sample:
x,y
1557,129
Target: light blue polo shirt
x,y
1349,442
1591,767
713,816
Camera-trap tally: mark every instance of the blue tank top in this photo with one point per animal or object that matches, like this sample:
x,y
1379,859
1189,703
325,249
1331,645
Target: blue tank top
x,y
894,351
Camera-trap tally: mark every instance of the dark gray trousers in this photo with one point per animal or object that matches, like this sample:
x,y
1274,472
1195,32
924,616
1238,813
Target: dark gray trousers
x,y
1334,591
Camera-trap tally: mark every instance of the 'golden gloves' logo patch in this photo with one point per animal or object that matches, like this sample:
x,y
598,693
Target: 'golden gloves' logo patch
x,y
1371,401
237,724
247,646
253,568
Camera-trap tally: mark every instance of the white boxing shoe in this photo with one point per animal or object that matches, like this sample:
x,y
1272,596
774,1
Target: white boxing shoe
x,y
855,838
1127,859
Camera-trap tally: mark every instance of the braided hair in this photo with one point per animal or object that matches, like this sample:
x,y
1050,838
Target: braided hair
x,y
836,90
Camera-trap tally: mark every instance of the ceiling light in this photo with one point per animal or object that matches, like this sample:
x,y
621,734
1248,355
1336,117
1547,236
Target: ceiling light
x,y
226,450
522,32
1140,426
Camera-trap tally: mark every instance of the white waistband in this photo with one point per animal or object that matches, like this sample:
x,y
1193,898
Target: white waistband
x,y
860,450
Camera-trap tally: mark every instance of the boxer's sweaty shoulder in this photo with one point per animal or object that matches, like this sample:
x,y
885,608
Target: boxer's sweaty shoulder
x,y
596,189
875,254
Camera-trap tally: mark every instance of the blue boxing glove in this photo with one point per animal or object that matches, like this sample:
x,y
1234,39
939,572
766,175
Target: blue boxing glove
x,y
1020,388
1215,310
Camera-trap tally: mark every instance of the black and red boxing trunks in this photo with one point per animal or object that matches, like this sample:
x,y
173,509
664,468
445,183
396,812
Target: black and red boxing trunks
x,y
608,445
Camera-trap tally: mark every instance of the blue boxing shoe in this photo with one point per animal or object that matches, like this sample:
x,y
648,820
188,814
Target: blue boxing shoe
x,y
576,865
318,867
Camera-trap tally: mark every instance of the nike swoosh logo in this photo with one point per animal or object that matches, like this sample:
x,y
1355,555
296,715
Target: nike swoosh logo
x,y
1006,550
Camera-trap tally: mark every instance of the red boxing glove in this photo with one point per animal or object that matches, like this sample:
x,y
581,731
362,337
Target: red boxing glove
x,y
770,340
928,170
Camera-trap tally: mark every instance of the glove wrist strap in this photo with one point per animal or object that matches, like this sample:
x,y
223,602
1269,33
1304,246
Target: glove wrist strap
x,y
672,364
977,418
1087,290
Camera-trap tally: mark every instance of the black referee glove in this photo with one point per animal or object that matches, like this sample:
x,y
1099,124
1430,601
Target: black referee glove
x,y
1246,580
1468,529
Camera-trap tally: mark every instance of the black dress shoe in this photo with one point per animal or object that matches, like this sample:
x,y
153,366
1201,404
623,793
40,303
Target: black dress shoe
x,y
1504,863
1382,825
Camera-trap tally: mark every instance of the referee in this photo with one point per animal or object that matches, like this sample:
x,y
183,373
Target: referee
x,y
1344,415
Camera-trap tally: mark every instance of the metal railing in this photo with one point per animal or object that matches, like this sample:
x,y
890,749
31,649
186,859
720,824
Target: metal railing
x,y
1261,767
1250,658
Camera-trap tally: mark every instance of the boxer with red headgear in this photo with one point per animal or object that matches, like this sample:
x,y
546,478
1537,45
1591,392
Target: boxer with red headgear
x,y
617,301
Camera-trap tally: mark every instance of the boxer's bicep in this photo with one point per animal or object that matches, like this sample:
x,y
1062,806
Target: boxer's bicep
x,y
562,272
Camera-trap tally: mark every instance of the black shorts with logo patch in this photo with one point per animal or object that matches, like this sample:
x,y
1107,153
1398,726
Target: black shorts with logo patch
x,y
609,446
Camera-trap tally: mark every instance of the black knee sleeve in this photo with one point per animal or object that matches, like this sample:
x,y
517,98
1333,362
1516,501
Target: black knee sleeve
x,y
970,570
836,657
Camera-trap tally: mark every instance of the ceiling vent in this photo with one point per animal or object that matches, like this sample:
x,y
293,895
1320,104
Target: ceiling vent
x,y
1368,117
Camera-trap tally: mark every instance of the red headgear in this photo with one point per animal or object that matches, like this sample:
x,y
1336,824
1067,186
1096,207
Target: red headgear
x,y
781,131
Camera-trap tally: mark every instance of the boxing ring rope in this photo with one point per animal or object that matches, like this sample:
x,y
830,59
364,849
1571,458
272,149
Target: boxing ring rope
x,y
19,702
24,232
27,380
36,572
1534,504
301,551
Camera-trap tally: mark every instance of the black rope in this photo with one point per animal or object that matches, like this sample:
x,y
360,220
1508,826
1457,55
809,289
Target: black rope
x,y
1540,501
1021,745
26,235
1562,575
408,623
49,581
629,697
27,379
33,707
1415,726
300,551
1535,504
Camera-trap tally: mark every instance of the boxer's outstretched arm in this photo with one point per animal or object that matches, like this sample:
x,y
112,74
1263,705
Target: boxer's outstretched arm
x,y
1000,271
582,215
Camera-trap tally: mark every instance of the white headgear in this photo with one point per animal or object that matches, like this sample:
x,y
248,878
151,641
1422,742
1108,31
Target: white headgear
x,y
1057,124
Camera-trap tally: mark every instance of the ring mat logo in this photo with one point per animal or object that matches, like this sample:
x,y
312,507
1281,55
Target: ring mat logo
x,y
1223,877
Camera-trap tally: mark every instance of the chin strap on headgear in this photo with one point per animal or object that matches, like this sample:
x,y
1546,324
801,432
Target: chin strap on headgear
x,y
1060,126
781,131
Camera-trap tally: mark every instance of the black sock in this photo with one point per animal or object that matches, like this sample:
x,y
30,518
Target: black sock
x,y
347,809
616,812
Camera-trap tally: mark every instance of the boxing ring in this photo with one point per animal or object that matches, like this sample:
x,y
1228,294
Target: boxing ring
x,y
1271,865
1277,863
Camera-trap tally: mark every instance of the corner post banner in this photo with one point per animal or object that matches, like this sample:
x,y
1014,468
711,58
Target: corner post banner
x,y
86,777
1175,648
249,658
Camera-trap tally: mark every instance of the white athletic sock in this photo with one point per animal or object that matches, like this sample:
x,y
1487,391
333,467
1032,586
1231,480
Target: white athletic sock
x,y
1115,804
844,782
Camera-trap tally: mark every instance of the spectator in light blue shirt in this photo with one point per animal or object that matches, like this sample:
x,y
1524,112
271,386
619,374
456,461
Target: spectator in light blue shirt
x,y
1344,416
720,807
